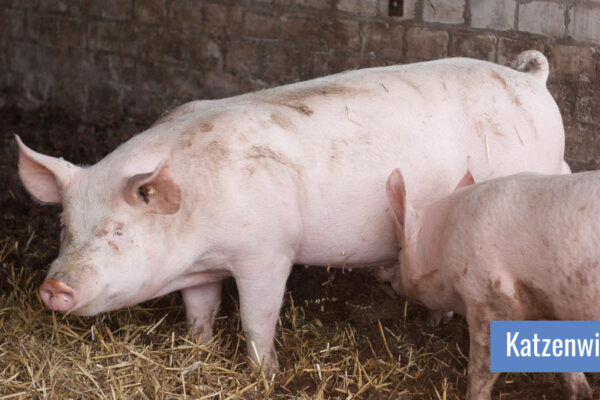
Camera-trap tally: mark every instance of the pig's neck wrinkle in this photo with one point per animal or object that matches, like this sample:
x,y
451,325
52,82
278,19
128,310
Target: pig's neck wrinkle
x,y
193,279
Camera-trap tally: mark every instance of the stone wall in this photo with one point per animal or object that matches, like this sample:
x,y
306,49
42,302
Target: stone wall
x,y
109,58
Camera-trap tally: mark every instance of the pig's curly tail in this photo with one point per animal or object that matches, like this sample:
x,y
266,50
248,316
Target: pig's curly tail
x,y
533,62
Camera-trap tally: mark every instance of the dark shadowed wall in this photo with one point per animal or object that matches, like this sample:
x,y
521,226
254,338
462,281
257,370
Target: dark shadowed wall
x,y
102,58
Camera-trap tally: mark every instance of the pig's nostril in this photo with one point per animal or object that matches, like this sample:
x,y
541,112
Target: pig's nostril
x,y
57,295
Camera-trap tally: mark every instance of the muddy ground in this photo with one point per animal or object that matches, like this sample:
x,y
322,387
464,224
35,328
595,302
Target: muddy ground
x,y
342,335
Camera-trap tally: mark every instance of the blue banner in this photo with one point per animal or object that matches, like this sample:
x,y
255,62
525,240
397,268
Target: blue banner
x,y
545,346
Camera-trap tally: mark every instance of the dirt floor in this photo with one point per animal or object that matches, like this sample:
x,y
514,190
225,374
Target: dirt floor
x,y
341,334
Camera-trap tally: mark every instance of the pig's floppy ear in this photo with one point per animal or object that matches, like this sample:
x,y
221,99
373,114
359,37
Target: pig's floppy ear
x,y
467,180
44,177
156,191
396,194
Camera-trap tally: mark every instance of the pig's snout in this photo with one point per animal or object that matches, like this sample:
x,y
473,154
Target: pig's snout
x,y
57,295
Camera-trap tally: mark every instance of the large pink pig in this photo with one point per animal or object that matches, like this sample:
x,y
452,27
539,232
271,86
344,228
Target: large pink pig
x,y
246,186
512,248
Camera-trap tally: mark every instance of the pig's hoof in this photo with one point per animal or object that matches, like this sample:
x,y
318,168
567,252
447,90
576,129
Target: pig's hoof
x,y
270,364
581,392
584,392
576,386
385,273
202,332
269,371
447,317
435,318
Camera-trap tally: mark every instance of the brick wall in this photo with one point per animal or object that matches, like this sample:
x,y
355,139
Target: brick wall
x,y
99,58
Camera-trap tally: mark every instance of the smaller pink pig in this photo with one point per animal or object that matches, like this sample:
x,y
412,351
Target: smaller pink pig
x,y
523,247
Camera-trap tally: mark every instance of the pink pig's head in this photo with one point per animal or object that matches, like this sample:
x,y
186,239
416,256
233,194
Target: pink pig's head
x,y
409,222
111,250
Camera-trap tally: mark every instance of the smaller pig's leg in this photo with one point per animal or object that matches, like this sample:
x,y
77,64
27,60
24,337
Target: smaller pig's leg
x,y
261,297
480,379
201,307
576,386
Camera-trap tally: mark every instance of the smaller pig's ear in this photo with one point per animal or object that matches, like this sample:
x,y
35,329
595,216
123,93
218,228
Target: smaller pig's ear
x,y
467,180
396,194
44,177
156,191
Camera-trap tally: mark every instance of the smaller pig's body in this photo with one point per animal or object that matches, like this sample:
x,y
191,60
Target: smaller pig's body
x,y
514,248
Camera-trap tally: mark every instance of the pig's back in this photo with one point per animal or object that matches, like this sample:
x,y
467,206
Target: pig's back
x,y
537,236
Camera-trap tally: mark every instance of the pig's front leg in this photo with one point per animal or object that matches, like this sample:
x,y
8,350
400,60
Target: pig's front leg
x,y
480,379
576,386
261,296
201,306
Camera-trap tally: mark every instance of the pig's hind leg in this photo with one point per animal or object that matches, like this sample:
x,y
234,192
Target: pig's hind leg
x,y
201,307
480,379
576,386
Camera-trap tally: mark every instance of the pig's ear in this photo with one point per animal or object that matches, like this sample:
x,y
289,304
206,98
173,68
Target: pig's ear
x,y
155,191
467,180
396,193
45,177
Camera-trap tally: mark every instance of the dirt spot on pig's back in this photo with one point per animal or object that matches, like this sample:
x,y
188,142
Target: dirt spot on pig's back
x,y
324,90
206,127
301,99
282,121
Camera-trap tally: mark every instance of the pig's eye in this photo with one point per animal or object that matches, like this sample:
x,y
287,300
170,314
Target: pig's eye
x,y
118,233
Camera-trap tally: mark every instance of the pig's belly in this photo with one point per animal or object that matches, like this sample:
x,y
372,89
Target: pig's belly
x,y
338,238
